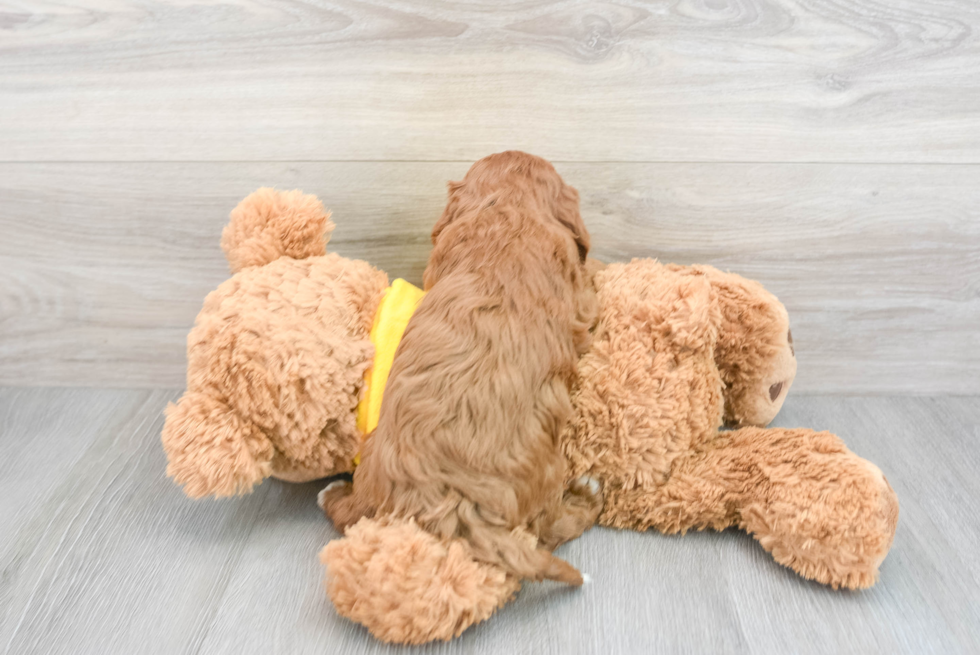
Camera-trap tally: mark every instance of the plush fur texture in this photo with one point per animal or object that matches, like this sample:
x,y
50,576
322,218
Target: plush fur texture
x,y
676,350
270,224
478,395
276,359
410,587
754,347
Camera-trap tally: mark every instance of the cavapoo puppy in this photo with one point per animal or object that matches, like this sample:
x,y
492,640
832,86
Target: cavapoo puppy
x,y
468,437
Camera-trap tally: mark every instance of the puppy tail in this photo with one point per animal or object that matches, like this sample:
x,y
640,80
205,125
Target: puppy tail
x,y
269,224
517,553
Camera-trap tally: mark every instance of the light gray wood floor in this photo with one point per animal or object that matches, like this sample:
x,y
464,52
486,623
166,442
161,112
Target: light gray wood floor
x,y
101,553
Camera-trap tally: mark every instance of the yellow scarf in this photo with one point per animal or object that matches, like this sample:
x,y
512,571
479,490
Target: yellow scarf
x,y
397,306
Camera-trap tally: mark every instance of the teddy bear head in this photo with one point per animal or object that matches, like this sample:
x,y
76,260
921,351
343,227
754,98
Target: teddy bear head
x,y
754,351
744,325
678,352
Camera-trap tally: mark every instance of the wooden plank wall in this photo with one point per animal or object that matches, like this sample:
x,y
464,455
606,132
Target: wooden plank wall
x,y
830,149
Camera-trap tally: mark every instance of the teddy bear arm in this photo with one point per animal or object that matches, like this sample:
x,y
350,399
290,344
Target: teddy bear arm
x,y
690,499
818,508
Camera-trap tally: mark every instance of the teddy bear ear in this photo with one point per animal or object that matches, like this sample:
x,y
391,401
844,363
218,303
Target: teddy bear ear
x,y
755,352
694,315
270,224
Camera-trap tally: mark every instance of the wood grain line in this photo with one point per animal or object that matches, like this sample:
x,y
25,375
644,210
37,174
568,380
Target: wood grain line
x,y
104,266
692,80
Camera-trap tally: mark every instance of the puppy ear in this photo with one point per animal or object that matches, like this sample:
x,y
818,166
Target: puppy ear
x,y
567,213
450,212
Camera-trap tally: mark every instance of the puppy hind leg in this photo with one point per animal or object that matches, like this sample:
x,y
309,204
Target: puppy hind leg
x,y
580,508
342,505
516,552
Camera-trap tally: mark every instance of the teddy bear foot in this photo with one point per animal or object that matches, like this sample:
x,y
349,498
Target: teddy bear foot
x,y
408,587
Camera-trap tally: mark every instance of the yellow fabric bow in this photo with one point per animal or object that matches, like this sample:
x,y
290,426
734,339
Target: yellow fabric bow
x,y
396,308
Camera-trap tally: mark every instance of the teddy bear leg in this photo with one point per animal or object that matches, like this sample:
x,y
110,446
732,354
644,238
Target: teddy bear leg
x,y
408,586
212,449
580,508
817,507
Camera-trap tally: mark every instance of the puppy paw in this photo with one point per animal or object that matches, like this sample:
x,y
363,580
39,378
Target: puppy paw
x,y
586,491
591,486
335,489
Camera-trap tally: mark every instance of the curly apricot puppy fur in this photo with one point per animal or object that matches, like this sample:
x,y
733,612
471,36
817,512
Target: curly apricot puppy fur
x,y
468,439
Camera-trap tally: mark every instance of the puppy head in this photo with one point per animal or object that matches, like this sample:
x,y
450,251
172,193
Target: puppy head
x,y
521,178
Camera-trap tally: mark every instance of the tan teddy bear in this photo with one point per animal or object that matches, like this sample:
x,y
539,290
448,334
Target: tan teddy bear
x,y
276,366
677,351
277,356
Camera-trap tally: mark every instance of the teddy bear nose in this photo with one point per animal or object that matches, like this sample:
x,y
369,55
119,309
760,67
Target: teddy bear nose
x,y
774,391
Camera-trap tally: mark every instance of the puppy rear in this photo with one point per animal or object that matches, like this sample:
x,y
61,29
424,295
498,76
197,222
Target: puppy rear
x,y
467,441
